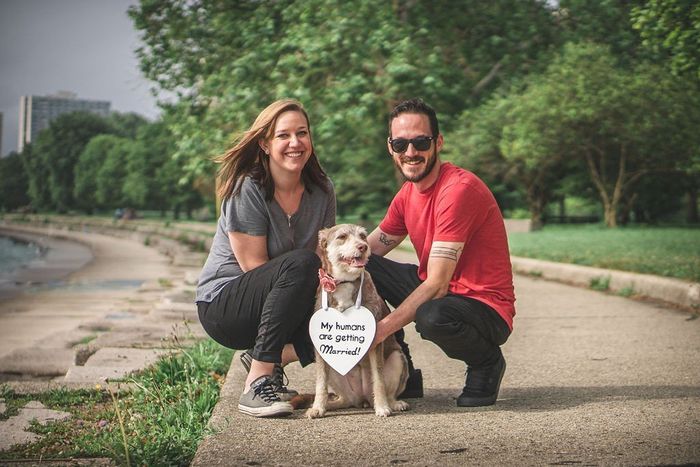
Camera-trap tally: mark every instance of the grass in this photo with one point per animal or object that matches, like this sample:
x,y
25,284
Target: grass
x,y
160,422
600,283
166,283
87,339
664,251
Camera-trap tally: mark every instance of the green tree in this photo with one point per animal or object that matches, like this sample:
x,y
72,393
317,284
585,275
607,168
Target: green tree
x,y
671,29
475,145
37,173
587,107
14,183
155,178
605,22
58,149
534,149
89,165
150,152
126,124
349,62
110,176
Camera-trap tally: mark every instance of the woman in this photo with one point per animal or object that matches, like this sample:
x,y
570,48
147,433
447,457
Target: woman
x,y
257,288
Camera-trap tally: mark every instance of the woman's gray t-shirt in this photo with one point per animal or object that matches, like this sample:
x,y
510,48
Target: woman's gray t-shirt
x,y
249,213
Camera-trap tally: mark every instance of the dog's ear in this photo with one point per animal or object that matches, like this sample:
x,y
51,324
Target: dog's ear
x,y
323,239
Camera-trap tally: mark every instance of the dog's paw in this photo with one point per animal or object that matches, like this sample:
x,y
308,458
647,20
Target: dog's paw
x,y
315,412
400,406
382,411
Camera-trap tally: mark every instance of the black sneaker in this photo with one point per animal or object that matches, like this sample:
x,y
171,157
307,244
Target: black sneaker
x,y
262,400
278,378
482,384
414,385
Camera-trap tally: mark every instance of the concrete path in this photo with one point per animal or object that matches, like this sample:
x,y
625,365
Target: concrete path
x,y
592,379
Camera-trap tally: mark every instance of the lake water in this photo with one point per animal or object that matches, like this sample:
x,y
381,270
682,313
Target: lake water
x,y
33,263
15,253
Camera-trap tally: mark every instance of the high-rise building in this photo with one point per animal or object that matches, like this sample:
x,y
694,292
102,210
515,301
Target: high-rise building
x,y
37,112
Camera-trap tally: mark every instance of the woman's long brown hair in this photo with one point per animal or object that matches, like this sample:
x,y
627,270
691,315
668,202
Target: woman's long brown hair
x,y
246,157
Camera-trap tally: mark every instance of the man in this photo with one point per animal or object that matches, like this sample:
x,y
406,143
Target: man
x,y
461,294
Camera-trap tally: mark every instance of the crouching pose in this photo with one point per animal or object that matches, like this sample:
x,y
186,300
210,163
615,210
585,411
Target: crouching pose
x,y
461,293
258,285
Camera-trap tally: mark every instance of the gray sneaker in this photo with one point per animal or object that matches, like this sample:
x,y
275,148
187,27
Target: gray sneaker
x,y
262,400
278,378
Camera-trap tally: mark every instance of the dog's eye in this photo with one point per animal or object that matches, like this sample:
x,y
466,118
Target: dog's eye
x,y
363,236
341,237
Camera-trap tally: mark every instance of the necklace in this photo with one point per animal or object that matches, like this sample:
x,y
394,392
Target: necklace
x,y
290,203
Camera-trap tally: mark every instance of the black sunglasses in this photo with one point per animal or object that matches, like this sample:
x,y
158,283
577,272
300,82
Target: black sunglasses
x,y
421,143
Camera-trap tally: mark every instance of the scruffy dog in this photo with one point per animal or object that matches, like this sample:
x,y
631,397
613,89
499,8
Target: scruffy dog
x,y
381,375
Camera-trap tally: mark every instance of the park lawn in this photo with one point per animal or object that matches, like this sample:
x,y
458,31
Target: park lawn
x,y
664,251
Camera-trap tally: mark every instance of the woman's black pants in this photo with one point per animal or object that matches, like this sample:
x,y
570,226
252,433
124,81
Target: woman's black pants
x,y
267,308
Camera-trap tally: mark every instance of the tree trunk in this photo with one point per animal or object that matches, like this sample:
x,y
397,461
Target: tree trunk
x,y
536,220
562,207
611,201
692,205
627,208
537,202
610,210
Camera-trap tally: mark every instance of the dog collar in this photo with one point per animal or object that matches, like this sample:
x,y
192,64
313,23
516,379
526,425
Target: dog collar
x,y
331,282
328,282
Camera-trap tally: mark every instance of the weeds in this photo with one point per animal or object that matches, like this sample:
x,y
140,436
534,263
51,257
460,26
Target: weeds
x,y
161,421
200,246
87,339
601,283
626,291
121,425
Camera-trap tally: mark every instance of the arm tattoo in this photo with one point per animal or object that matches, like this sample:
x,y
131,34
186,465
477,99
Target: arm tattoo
x,y
445,252
385,240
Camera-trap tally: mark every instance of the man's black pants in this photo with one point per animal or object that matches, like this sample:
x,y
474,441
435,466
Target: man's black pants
x,y
464,328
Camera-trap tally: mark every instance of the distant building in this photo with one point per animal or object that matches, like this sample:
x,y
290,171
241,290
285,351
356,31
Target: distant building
x,y
37,112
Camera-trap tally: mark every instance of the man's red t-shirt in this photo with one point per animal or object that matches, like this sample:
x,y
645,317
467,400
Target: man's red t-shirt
x,y
459,207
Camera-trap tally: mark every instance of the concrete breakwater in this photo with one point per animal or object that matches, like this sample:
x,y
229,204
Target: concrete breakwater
x,y
87,329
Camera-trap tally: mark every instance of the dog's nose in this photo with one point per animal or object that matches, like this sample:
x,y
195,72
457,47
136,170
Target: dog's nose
x,y
362,247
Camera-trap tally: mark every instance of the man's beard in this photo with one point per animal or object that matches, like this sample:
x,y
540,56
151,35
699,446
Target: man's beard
x,y
430,163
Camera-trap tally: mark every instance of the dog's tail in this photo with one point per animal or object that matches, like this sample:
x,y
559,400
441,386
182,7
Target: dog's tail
x,y
302,401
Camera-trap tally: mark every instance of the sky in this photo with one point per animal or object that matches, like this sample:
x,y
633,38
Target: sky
x,y
82,46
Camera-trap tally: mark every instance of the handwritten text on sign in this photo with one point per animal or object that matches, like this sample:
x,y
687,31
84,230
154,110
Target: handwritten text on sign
x,y
342,339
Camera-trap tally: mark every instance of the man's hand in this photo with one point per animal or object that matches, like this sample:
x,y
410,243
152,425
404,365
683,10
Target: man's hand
x,y
380,334
441,266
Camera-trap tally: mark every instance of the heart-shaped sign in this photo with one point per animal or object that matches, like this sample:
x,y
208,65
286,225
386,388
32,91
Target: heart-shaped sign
x,y
342,339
